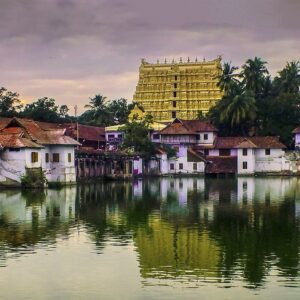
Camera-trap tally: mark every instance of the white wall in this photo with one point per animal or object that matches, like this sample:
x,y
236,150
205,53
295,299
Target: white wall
x,y
249,158
269,163
297,140
62,171
210,138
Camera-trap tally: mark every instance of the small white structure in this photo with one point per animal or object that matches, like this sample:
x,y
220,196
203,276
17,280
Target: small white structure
x,y
25,147
296,132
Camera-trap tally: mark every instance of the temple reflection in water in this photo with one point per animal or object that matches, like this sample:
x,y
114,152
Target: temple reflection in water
x,y
185,228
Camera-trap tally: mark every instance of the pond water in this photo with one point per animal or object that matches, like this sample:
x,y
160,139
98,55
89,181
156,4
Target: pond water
x,y
169,238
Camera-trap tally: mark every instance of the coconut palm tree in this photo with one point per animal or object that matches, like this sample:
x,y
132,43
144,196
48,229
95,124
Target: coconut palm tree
x,y
99,111
227,77
254,73
288,80
240,112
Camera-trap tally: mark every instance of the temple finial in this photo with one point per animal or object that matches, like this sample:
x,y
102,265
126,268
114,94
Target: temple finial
x,y
188,60
196,60
180,60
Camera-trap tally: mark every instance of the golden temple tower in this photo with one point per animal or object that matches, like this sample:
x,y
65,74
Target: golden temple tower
x,y
178,89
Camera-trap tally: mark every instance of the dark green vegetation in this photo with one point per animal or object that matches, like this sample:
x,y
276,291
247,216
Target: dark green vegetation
x,y
136,137
255,104
100,111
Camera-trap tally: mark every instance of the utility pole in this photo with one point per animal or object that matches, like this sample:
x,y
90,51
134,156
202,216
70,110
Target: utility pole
x,y
77,129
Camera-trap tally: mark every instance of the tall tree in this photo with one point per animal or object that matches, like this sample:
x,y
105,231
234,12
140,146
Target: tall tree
x,y
119,110
137,137
235,113
227,77
9,103
254,73
288,80
97,113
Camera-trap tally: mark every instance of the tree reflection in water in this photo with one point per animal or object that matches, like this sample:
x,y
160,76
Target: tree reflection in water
x,y
209,230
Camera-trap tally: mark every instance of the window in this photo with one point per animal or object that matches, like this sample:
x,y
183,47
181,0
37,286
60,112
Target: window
x,y
180,166
120,136
195,166
69,157
174,94
47,158
205,136
267,151
14,149
172,166
173,114
175,77
111,136
174,103
245,165
224,152
245,152
198,137
55,157
206,151
34,157
175,85
156,136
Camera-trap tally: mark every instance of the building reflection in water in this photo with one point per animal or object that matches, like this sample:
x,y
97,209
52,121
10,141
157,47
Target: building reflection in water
x,y
206,229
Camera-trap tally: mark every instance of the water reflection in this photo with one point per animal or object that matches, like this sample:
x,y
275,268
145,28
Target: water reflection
x,y
189,230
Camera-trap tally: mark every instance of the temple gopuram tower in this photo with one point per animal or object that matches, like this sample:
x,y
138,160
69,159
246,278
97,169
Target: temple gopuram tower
x,y
178,89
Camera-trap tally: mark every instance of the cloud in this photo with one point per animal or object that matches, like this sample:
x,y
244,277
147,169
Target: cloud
x,y
73,49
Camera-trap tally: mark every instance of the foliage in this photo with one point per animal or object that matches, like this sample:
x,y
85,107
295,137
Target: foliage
x,y
9,103
34,179
137,138
227,78
258,104
171,152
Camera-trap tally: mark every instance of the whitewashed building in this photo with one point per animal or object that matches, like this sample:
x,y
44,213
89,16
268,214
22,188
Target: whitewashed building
x,y
296,132
25,147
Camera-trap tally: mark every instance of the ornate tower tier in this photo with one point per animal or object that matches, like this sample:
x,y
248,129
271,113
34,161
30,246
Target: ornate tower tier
x,y
178,89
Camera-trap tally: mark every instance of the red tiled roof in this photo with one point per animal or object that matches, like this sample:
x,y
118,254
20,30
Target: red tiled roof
x,y
14,141
86,132
262,142
34,132
4,122
193,156
221,164
296,130
191,127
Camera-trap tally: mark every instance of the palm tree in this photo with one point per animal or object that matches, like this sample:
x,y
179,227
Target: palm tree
x,y
288,80
100,113
240,113
227,77
254,74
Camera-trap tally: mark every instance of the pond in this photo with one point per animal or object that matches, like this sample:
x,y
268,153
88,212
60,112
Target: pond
x,y
167,238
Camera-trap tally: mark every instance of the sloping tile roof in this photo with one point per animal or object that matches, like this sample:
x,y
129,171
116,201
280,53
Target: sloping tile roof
x,y
262,142
14,141
296,130
4,122
86,132
32,131
193,156
190,127
221,164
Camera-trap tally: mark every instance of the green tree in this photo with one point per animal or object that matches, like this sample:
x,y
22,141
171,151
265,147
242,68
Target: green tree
x,y
254,73
288,80
228,77
9,103
63,111
235,113
44,109
119,110
137,137
97,113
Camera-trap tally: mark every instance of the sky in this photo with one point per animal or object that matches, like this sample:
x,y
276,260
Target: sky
x,y
71,50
